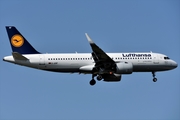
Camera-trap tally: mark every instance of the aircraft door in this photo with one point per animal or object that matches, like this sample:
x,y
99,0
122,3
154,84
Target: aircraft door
x,y
41,60
155,59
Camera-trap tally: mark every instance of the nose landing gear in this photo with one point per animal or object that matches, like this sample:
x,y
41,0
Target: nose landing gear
x,y
154,78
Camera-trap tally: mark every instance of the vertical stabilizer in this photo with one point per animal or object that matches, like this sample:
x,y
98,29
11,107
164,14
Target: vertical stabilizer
x,y
18,42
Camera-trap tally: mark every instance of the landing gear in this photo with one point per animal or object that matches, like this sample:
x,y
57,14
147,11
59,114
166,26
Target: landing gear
x,y
154,78
92,82
99,77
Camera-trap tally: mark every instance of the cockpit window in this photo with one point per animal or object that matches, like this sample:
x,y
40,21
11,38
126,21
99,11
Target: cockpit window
x,y
166,58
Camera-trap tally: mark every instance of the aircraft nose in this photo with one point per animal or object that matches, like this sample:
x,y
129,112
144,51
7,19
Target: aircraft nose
x,y
174,64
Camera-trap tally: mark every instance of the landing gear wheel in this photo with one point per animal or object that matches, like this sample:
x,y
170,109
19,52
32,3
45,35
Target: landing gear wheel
x,y
99,77
92,82
154,79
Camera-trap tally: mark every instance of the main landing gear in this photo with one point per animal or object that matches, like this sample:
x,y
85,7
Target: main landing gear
x,y
99,77
93,82
154,78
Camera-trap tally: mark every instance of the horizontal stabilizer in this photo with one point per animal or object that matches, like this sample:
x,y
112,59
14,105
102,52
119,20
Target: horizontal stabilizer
x,y
18,56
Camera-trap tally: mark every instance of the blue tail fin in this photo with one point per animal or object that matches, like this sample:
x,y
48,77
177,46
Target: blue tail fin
x,y
18,42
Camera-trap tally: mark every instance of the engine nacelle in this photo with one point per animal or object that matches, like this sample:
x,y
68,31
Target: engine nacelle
x,y
112,78
124,68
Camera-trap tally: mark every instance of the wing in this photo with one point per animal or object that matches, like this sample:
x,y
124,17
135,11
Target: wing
x,y
103,63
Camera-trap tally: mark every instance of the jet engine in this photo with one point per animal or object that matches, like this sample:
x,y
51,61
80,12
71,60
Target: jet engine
x,y
112,77
124,68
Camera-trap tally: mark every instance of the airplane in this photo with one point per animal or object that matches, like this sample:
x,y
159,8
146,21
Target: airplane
x,y
108,67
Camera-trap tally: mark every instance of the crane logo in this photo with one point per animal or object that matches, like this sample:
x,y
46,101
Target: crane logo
x,y
17,41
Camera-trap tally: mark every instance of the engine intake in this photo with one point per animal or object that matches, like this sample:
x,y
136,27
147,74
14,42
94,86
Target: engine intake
x,y
124,68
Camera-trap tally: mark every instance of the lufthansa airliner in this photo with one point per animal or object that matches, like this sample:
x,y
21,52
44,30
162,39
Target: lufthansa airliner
x,y
104,66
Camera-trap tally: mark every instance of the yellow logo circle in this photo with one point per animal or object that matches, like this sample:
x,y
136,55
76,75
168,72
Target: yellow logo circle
x,y
17,40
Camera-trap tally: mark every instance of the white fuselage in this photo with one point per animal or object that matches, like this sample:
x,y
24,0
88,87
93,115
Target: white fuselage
x,y
72,62
107,66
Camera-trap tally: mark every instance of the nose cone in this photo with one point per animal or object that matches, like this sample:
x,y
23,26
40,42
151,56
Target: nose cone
x,y
174,64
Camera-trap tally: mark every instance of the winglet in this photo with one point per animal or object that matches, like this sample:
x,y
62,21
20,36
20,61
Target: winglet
x,y
89,39
18,56
98,54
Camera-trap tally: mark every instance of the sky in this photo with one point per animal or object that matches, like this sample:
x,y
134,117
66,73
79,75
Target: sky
x,y
58,26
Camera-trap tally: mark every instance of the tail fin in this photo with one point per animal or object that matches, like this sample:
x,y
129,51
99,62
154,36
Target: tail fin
x,y
18,42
